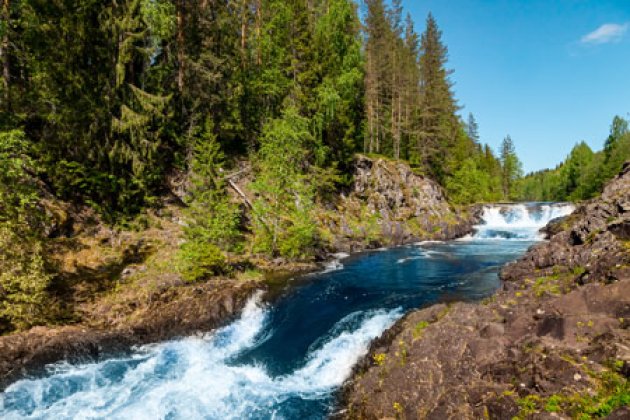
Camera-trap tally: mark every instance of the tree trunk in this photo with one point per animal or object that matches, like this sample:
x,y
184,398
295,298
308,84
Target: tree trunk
x,y
4,53
244,22
258,31
180,45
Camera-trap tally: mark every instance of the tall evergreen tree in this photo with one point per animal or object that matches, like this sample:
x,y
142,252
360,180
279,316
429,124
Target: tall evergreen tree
x,y
438,123
511,167
472,128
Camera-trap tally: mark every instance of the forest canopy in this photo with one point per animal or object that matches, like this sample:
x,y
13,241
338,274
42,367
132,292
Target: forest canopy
x,y
113,97
583,173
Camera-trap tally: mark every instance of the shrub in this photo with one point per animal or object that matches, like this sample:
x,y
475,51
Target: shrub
x,y
198,260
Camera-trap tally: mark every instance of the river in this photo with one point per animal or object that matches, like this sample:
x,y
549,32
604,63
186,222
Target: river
x,y
285,360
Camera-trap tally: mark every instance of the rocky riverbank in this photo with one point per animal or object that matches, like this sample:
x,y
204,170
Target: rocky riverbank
x,y
554,343
118,288
177,312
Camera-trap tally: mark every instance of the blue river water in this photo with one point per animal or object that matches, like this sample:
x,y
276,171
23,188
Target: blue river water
x,y
285,360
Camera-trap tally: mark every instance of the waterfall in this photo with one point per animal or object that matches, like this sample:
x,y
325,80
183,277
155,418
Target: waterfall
x,y
518,221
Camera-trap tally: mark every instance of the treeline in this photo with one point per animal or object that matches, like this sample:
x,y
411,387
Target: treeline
x,y
106,102
113,96
411,112
583,173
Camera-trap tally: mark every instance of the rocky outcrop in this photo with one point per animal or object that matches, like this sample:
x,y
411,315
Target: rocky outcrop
x,y
177,312
594,241
389,204
554,343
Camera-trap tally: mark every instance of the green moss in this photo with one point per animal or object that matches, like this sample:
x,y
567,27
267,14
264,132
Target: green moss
x,y
553,404
547,285
419,327
528,405
611,392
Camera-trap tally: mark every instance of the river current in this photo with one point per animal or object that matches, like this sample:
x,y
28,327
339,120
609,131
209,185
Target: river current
x,y
285,360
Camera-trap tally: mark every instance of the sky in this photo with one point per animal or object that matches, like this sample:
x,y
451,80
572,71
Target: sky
x,y
549,73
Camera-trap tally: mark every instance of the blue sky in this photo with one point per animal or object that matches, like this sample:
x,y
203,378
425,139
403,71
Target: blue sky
x,y
549,73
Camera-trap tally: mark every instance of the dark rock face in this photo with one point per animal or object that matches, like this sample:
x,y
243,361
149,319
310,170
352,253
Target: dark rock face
x,y
554,332
198,308
391,205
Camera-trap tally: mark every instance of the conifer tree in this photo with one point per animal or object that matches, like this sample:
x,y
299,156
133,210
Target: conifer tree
x,y
438,123
511,167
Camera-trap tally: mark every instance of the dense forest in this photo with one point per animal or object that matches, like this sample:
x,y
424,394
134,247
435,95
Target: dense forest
x,y
107,104
114,97
583,173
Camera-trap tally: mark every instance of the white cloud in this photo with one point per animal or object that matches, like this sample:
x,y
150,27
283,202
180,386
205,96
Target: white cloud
x,y
608,32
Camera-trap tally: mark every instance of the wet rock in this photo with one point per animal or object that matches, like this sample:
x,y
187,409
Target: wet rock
x,y
563,315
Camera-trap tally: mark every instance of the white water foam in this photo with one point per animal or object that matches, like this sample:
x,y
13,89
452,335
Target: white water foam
x,y
192,378
517,222
332,265
341,255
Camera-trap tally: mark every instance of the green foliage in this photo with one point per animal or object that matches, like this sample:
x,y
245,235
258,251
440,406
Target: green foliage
x,y
511,169
24,280
583,173
471,184
284,224
612,392
197,260
23,276
213,222
419,328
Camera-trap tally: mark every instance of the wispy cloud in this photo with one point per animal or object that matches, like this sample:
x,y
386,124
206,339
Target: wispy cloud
x,y
608,32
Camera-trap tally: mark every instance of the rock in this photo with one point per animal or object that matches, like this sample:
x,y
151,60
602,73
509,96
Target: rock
x,y
477,361
391,205
591,245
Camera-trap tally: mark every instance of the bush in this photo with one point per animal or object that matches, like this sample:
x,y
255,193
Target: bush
x,y
23,281
198,260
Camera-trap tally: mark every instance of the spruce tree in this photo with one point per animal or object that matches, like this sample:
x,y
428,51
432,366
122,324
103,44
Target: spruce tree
x,y
511,167
438,123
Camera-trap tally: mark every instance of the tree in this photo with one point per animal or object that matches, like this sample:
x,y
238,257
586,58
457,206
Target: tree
x,y
283,223
378,74
511,167
5,28
438,123
24,279
472,128
583,173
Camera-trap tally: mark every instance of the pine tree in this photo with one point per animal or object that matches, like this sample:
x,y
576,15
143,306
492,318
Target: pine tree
x,y
438,123
283,223
511,167
213,221
472,128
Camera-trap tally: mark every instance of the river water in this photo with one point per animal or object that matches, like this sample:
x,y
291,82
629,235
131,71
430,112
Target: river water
x,y
284,361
